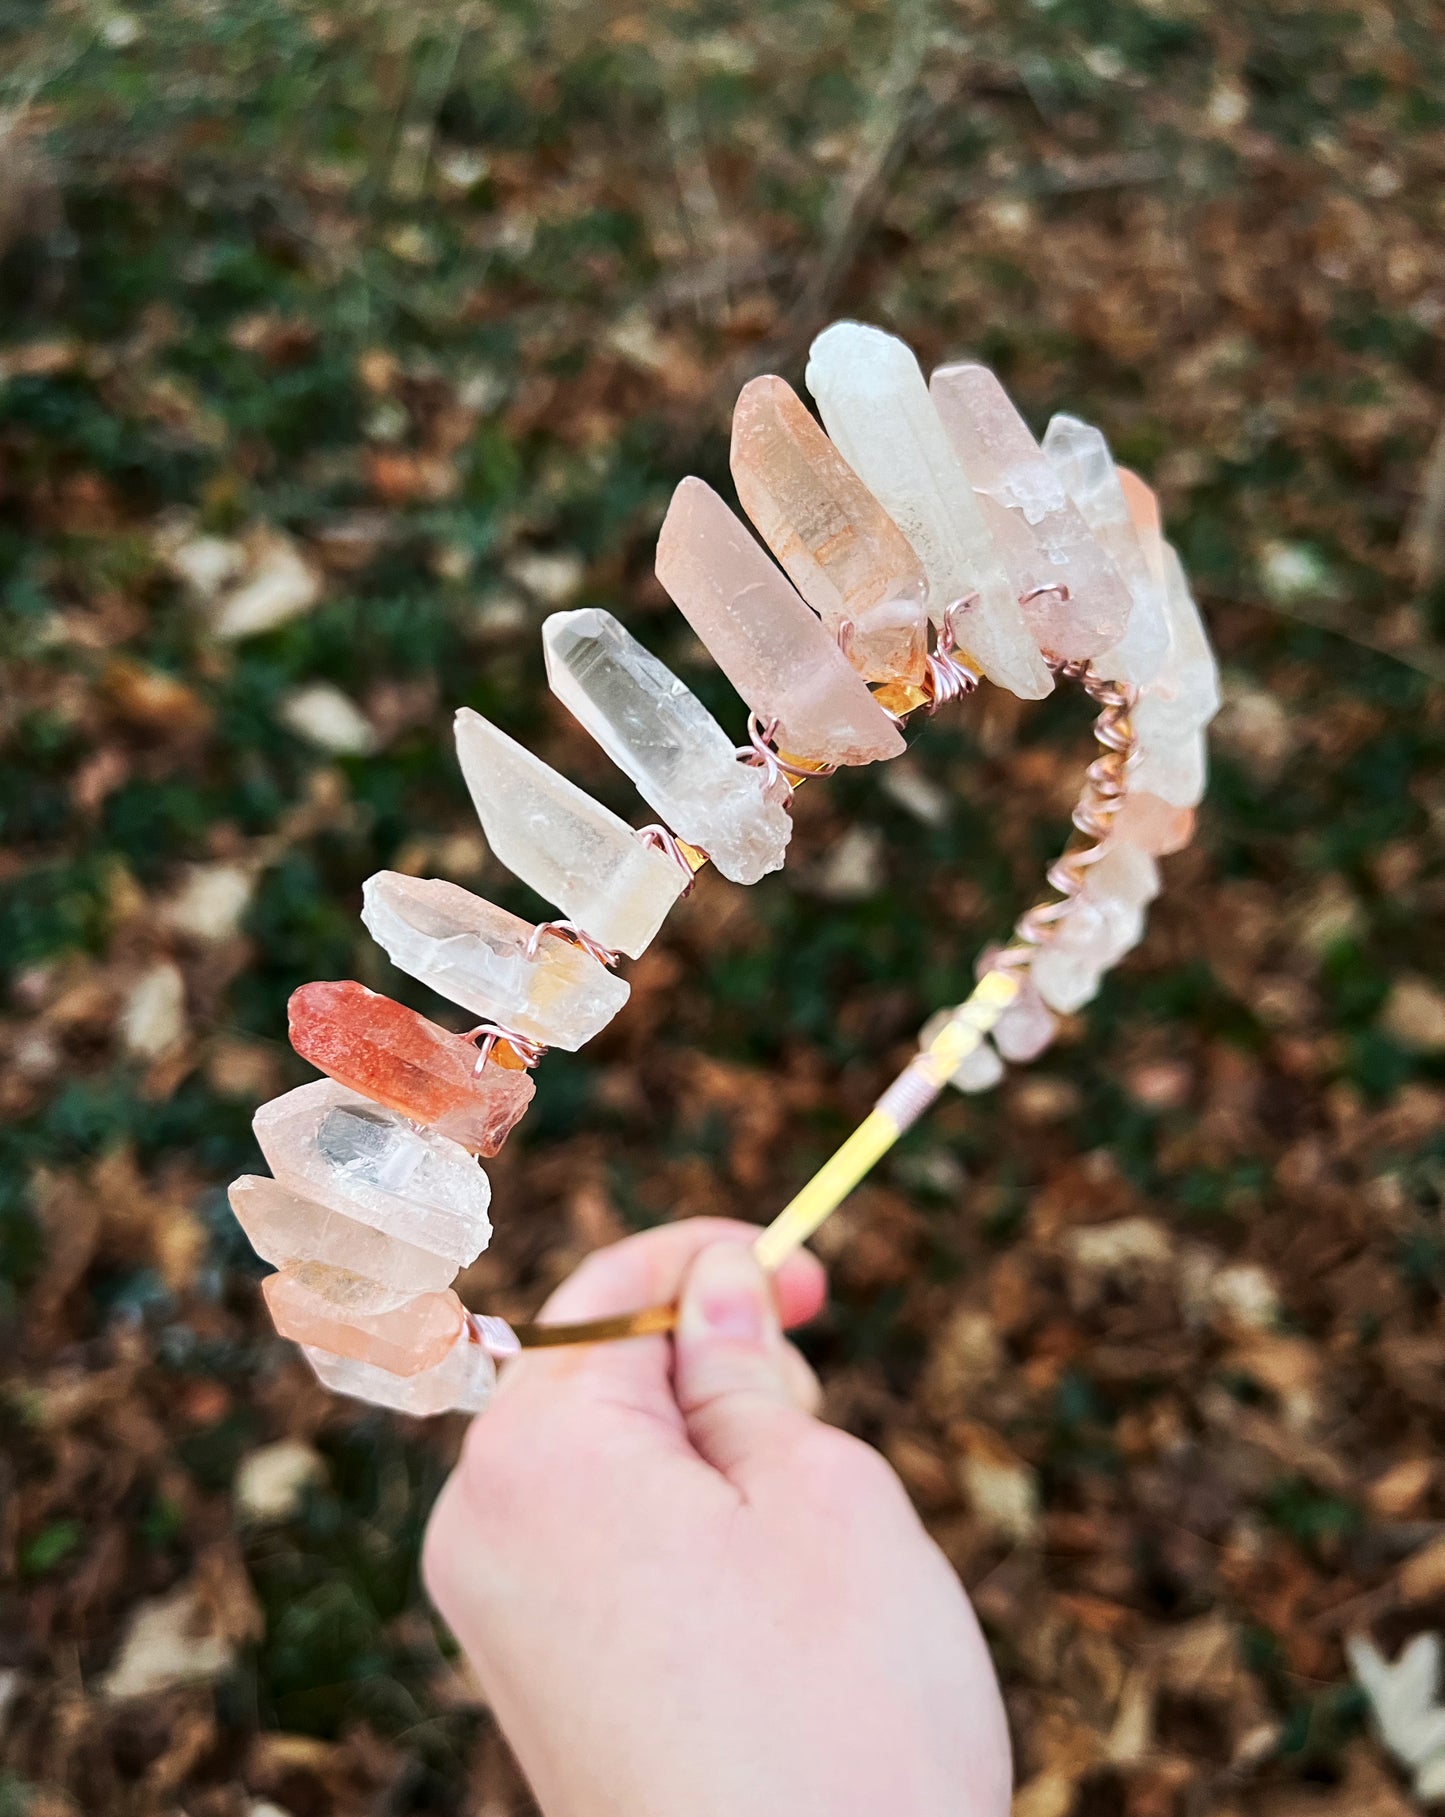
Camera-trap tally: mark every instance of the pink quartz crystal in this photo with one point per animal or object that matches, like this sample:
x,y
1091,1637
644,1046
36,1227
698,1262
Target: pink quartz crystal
x,y
392,1055
462,1382
763,637
840,548
1038,534
283,1227
344,1313
1153,825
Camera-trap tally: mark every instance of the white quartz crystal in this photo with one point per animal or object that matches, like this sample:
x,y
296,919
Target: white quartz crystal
x,y
875,405
660,734
339,1150
1081,458
1065,980
284,1229
476,953
1172,765
1026,1027
1184,695
462,1382
573,851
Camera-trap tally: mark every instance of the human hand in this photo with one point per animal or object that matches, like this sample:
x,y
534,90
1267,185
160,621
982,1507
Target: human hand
x,y
682,1594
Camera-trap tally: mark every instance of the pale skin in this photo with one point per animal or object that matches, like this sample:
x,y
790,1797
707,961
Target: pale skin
x,y
685,1596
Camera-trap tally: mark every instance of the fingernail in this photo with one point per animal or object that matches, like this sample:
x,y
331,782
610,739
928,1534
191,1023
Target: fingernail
x,y
726,1295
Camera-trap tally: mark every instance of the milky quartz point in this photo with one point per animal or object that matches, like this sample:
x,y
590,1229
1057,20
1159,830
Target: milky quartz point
x,y
763,637
1125,872
283,1228
462,1382
1065,980
1039,534
334,1148
389,1053
573,851
335,1310
840,548
1080,456
475,953
660,735
1026,1027
875,405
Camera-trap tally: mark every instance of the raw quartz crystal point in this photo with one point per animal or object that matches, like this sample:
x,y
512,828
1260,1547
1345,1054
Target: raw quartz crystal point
x,y
1080,456
763,637
391,1054
335,1149
283,1228
477,954
335,1310
875,406
461,1382
839,547
1072,596
663,738
568,847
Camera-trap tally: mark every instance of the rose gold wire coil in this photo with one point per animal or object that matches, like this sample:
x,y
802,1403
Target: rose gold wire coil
x,y
569,930
663,839
760,750
1105,787
486,1035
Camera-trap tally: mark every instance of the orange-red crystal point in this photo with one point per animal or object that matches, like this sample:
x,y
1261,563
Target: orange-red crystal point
x,y
395,1057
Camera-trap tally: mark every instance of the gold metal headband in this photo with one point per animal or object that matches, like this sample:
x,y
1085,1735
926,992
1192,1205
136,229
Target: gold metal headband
x,y
376,1198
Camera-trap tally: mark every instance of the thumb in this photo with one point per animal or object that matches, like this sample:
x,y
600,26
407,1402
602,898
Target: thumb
x,y
732,1374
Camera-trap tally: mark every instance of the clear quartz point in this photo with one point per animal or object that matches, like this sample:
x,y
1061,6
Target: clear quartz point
x,y
660,735
462,1382
1073,597
1080,456
573,851
470,950
336,1150
763,637
875,406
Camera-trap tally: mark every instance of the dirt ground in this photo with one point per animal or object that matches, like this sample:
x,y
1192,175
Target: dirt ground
x,y
339,345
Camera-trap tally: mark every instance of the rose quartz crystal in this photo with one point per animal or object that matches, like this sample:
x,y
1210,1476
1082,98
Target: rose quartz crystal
x,y
337,1149
284,1228
763,637
391,1054
475,953
462,1382
1153,825
335,1310
840,548
1038,533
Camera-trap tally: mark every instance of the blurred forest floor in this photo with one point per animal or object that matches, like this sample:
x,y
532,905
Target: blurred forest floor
x,y
342,343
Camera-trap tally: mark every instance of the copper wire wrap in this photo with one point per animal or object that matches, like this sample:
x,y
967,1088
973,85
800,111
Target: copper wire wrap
x,y
963,1029
486,1035
949,677
778,767
663,839
1105,785
569,930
